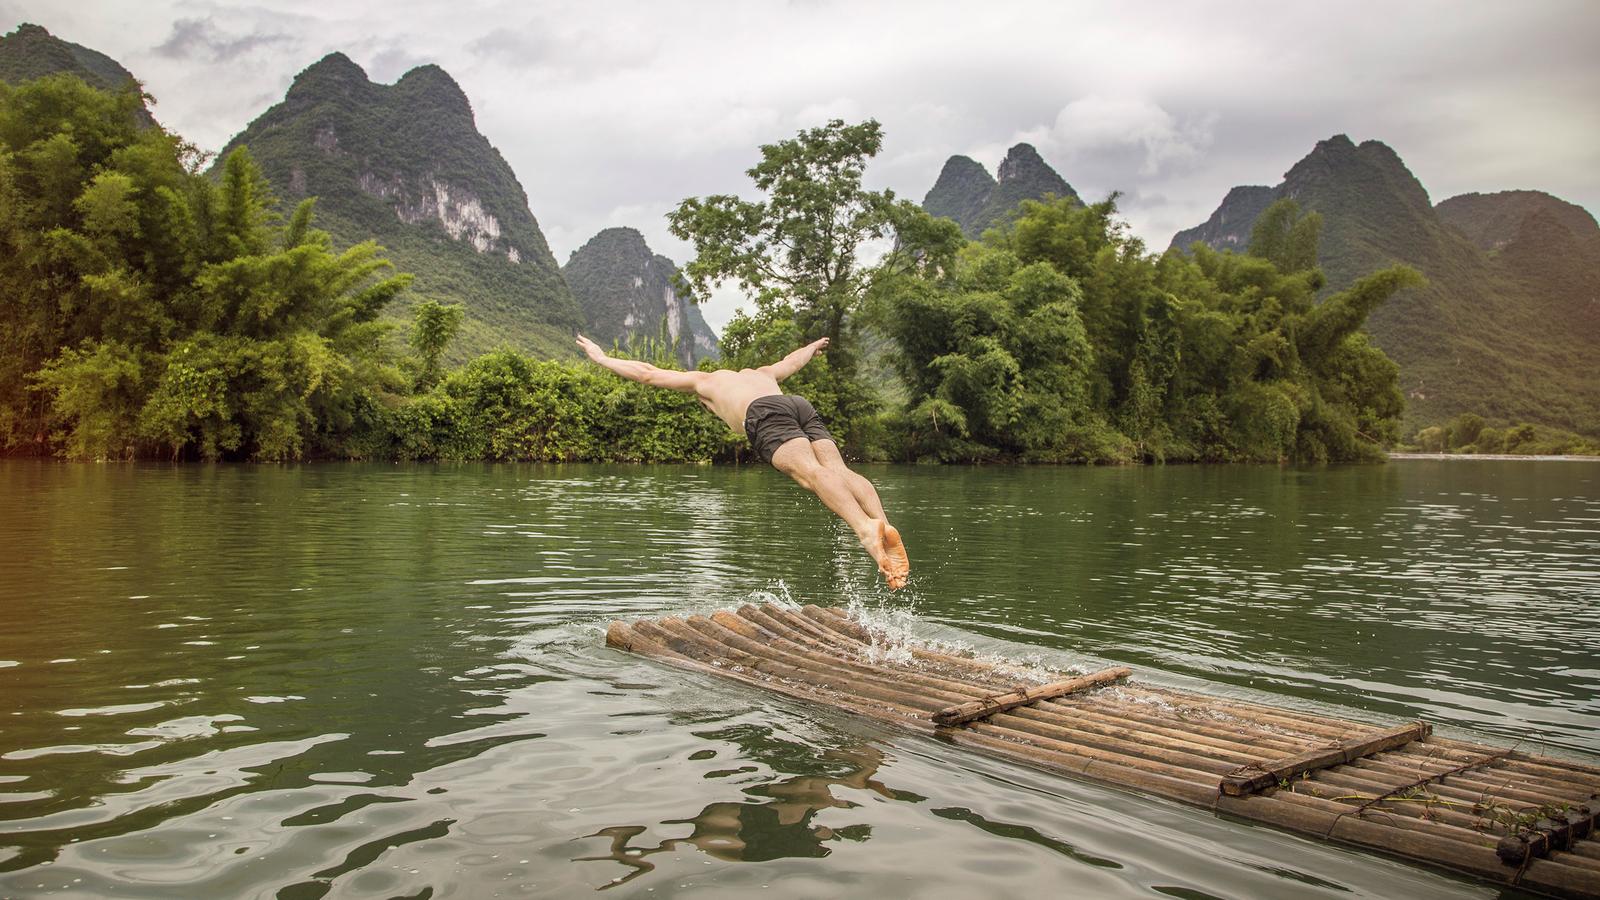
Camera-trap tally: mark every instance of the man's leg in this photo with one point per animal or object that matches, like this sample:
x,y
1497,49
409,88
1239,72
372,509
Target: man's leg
x,y
827,453
796,459
894,562
836,486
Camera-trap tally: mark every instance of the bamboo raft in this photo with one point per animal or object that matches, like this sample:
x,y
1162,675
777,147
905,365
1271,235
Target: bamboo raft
x,y
1495,813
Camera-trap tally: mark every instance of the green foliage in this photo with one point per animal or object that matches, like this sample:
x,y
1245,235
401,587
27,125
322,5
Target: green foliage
x,y
1285,238
507,406
795,250
381,159
434,326
1060,339
796,253
151,310
1504,326
1470,433
997,362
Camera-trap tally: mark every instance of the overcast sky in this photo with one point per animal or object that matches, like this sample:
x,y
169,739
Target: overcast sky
x,y
612,112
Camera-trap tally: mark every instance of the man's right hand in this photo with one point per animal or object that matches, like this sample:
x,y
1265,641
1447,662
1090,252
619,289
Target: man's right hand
x,y
591,349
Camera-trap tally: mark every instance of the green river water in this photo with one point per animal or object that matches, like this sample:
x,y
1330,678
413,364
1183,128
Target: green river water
x,y
391,681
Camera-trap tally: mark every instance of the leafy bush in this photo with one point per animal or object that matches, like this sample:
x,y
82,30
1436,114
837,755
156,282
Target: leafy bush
x,y
507,406
151,310
1060,340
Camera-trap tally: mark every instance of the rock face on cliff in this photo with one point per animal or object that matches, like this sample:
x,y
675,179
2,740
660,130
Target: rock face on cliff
x,y
1509,321
405,164
626,293
976,201
1229,227
31,52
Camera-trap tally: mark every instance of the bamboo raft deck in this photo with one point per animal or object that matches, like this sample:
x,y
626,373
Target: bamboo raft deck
x,y
1496,813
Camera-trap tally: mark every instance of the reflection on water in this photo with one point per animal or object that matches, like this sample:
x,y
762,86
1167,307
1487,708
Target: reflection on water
x,y
390,681
777,821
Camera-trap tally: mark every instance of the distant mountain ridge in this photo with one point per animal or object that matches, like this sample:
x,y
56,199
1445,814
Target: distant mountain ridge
x,y
628,291
977,201
1494,220
32,52
405,164
1229,227
1509,322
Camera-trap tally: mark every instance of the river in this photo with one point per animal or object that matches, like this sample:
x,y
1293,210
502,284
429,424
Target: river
x,y
390,681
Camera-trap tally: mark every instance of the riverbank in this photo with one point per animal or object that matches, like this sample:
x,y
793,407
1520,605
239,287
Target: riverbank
x,y
1495,456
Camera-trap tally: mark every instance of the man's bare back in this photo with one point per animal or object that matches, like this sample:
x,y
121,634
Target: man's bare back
x,y
803,450
728,393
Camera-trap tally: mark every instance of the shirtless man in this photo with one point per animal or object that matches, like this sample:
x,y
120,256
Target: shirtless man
x,y
785,431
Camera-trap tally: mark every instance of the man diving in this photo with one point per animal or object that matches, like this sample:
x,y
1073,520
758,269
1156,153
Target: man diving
x,y
784,430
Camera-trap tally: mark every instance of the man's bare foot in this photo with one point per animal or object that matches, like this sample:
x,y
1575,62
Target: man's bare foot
x,y
892,561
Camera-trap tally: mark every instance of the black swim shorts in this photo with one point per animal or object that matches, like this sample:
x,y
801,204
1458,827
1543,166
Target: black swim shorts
x,y
772,421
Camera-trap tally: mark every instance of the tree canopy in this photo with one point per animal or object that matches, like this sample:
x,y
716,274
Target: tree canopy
x,y
148,309
1059,339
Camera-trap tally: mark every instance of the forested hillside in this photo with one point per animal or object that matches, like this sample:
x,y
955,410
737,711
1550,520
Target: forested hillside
x,y
32,52
404,164
1508,332
629,294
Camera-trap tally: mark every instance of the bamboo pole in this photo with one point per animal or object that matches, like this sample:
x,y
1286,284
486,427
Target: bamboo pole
x,y
1507,794
1116,752
799,669
1128,750
758,624
1478,780
1282,720
1334,809
1569,765
1440,798
841,621
1234,751
751,629
1265,747
1465,852
779,687
988,706
1182,788
983,679
1254,778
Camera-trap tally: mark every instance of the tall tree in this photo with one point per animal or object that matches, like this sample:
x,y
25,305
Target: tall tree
x,y
434,326
1285,238
144,308
796,250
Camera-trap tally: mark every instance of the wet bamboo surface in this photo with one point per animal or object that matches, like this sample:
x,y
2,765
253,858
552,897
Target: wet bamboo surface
x,y
1497,813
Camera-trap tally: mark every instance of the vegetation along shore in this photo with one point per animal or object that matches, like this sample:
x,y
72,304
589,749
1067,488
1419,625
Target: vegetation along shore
x,y
163,304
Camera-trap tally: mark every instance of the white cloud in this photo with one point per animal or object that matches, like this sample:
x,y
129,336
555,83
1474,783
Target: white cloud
x,y
1098,123
816,114
606,111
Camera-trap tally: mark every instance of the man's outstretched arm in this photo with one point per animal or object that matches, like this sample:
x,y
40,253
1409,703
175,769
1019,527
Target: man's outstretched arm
x,y
791,364
642,372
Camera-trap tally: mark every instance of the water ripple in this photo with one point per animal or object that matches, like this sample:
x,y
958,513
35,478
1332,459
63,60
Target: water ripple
x,y
391,681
